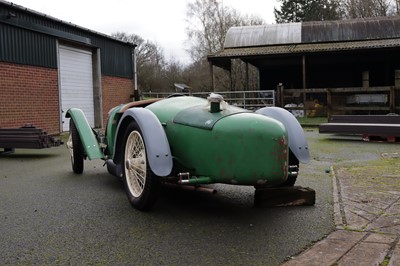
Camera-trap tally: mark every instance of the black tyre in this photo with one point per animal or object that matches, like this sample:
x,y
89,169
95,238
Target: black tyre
x,y
294,168
141,184
76,148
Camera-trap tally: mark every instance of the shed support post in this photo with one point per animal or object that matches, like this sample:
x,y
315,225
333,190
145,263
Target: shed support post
x,y
396,96
211,75
329,103
365,79
392,99
304,77
279,94
247,77
230,78
304,72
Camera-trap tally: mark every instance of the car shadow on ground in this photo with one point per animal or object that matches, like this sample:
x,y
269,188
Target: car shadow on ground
x,y
229,201
186,199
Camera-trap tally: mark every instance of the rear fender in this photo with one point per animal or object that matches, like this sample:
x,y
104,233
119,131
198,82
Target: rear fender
x,y
297,139
157,146
88,137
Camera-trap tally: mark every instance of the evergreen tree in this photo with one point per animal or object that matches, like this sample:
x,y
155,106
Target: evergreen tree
x,y
307,10
290,11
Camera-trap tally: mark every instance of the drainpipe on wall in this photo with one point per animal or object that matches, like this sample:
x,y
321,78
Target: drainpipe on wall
x,y
136,96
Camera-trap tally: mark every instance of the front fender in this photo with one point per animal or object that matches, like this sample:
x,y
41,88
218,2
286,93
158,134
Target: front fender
x,y
157,146
297,139
88,138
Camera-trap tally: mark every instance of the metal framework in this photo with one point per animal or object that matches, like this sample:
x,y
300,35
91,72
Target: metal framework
x,y
250,100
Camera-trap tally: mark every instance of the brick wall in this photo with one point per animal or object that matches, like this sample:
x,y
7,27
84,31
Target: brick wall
x,y
29,94
115,92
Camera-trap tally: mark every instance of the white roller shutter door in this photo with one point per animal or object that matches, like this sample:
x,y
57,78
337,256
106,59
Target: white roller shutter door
x,y
76,82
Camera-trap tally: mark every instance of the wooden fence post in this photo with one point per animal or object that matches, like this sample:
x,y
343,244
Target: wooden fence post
x,y
280,96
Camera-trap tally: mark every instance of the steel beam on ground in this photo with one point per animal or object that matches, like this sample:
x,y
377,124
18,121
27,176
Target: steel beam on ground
x,y
373,119
361,129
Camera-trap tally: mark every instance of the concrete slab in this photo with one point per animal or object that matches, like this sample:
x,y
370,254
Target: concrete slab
x,y
395,259
394,209
381,238
365,254
345,235
354,221
337,209
385,222
367,200
325,252
359,211
390,230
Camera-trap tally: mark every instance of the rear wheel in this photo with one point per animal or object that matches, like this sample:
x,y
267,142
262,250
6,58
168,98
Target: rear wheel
x,y
76,149
293,170
141,184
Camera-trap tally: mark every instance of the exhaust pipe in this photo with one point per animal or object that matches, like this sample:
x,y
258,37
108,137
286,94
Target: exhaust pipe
x,y
192,188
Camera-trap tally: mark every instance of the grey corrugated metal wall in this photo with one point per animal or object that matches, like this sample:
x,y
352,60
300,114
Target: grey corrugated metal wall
x,y
26,47
27,37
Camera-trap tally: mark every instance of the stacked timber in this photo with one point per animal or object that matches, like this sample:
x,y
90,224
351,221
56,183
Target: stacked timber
x,y
26,137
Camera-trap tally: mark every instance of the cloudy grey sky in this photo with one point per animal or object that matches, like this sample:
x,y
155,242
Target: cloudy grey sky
x,y
160,21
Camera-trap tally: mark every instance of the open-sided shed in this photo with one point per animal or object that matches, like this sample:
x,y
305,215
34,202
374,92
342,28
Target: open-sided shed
x,y
358,54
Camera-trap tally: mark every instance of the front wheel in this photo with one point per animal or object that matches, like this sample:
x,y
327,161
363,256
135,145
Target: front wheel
x,y
141,184
75,147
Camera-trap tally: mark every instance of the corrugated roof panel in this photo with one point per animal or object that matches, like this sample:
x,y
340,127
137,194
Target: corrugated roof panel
x,y
351,30
314,32
248,36
304,48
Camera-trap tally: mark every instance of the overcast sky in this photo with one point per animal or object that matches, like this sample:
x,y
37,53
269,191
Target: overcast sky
x,y
160,21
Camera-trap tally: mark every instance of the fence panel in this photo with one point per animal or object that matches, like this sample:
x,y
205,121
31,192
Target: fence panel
x,y
250,100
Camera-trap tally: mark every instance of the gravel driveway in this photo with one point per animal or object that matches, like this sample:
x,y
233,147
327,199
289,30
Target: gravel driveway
x,y
51,216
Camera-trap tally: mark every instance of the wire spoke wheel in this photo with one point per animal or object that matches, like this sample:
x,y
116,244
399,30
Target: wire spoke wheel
x,y
141,184
135,163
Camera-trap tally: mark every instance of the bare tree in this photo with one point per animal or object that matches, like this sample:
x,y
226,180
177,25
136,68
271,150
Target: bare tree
x,y
397,7
146,51
208,22
369,8
150,62
173,73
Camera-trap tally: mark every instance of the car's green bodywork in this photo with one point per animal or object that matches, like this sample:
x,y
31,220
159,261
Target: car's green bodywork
x,y
86,133
232,145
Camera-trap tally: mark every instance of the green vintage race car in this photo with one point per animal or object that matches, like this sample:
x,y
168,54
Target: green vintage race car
x,y
190,141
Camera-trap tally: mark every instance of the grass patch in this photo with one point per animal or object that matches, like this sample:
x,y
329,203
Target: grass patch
x,y
312,121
